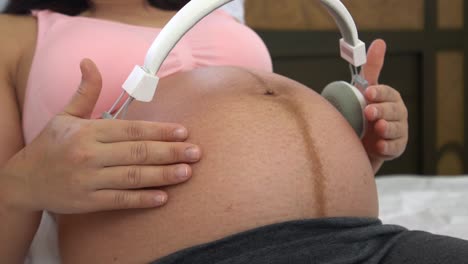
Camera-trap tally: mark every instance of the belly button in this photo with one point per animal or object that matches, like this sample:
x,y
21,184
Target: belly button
x,y
269,93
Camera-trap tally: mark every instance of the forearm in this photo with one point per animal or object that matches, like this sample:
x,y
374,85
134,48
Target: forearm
x,y
17,228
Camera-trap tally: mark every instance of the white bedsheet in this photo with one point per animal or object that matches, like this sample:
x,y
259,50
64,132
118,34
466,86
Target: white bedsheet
x,y
438,205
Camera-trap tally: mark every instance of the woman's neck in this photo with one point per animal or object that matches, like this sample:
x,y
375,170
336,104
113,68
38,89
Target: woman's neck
x,y
120,6
138,12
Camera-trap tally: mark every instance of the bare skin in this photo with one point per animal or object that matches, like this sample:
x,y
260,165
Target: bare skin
x,y
274,151
17,45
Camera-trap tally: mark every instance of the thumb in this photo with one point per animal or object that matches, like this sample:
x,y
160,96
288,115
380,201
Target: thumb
x,y
375,61
83,101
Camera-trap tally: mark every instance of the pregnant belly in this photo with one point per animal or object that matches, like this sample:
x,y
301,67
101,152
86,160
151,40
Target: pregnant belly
x,y
273,151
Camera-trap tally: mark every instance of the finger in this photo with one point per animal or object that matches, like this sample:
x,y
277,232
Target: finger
x,y
391,149
110,131
386,111
390,130
382,93
138,177
148,153
85,98
375,61
116,200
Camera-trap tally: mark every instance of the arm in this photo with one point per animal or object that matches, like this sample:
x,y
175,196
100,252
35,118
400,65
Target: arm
x,y
17,228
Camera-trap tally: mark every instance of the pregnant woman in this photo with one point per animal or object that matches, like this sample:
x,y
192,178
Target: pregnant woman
x,y
266,156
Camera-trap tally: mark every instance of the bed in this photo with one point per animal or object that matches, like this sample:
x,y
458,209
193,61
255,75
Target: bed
x,y
435,204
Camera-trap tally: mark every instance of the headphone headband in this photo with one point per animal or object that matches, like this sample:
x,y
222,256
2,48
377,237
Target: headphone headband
x,y
343,19
352,49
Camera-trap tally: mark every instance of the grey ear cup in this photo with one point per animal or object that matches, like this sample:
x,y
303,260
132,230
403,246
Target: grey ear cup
x,y
350,102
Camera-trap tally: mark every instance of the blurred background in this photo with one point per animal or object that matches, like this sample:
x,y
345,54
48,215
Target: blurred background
x,y
427,40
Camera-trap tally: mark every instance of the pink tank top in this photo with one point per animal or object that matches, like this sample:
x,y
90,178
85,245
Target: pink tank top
x,y
63,41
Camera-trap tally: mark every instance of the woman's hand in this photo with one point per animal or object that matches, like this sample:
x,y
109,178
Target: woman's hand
x,y
78,165
387,133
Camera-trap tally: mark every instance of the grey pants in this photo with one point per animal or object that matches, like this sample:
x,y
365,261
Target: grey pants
x,y
331,241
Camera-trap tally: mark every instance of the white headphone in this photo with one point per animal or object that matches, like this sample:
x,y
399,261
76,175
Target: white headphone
x,y
142,82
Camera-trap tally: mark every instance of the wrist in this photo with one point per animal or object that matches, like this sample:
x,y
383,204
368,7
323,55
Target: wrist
x,y
12,192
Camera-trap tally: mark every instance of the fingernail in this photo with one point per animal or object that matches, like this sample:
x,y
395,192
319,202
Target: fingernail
x,y
160,199
180,133
181,173
192,153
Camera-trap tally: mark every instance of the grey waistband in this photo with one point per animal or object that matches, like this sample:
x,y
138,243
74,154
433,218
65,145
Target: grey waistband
x,y
334,240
